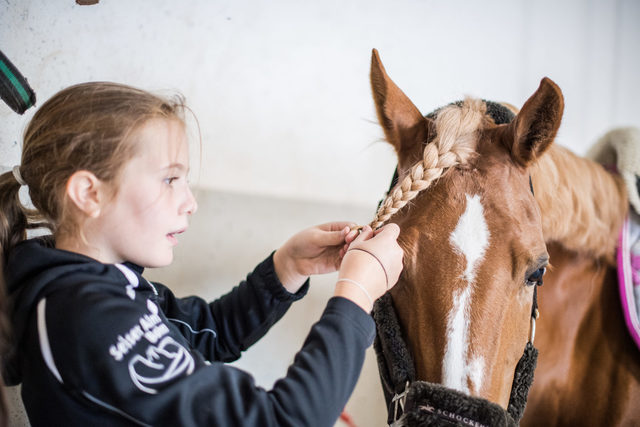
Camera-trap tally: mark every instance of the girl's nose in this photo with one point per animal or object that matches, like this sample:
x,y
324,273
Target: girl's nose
x,y
190,206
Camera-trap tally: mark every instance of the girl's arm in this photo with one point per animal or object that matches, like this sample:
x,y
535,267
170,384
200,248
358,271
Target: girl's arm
x,y
245,314
224,328
140,369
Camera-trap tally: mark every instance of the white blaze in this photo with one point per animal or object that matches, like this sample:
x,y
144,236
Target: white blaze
x,y
476,372
455,356
471,236
470,239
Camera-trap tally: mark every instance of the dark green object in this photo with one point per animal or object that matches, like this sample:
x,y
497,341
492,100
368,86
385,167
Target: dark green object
x,y
14,89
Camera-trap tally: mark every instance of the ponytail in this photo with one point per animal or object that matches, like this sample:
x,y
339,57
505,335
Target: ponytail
x,y
4,346
13,225
13,218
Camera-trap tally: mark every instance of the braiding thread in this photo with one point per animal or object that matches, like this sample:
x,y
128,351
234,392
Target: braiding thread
x,y
455,141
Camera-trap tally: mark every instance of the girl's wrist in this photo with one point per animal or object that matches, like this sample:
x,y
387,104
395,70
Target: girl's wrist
x,y
364,269
287,272
355,294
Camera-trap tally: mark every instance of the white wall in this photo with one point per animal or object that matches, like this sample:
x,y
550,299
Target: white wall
x,y
281,87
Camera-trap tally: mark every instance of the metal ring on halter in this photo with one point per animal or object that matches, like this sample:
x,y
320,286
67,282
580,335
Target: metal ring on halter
x,y
18,176
533,325
533,330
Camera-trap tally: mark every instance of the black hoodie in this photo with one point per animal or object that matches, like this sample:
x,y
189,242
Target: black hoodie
x,y
97,344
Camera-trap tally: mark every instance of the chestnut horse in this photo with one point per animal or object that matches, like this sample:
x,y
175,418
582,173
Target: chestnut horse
x,y
485,202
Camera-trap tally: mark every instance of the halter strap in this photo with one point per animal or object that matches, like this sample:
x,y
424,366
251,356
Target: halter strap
x,y
534,307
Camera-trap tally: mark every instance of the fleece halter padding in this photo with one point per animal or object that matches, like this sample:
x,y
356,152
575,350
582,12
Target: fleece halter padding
x,y
435,405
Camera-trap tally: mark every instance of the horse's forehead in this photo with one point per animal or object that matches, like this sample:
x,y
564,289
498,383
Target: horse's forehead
x,y
493,182
465,209
482,223
509,197
497,227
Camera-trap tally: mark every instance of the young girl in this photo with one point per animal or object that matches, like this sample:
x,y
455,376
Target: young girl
x,y
96,344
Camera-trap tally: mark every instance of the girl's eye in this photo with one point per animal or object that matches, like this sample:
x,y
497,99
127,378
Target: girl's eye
x,y
170,180
536,277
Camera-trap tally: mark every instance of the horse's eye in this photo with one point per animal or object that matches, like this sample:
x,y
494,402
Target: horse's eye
x,y
536,277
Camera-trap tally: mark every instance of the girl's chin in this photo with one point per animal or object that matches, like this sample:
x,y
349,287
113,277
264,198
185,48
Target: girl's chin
x,y
156,262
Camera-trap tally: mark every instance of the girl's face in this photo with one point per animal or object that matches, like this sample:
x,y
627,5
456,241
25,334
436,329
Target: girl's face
x,y
153,201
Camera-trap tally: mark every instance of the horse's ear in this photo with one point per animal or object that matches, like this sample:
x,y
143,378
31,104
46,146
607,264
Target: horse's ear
x,y
402,122
537,123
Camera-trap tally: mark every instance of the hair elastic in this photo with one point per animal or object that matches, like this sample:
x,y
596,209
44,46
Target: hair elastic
x,y
18,176
362,288
386,276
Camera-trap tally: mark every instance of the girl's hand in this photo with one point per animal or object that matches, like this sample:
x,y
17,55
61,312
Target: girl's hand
x,y
371,266
316,250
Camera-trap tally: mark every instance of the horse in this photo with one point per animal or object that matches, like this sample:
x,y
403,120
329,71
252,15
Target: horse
x,y
490,208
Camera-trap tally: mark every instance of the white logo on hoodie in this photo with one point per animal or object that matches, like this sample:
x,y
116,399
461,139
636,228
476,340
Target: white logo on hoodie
x,y
149,326
162,363
163,359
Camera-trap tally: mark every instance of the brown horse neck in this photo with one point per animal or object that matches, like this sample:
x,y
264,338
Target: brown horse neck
x,y
582,205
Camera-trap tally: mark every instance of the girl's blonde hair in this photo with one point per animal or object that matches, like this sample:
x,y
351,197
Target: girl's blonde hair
x,y
83,127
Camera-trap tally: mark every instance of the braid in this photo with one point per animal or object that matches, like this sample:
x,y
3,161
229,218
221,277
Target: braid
x,y
456,128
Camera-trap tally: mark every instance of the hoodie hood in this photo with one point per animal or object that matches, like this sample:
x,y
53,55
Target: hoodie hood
x,y
35,269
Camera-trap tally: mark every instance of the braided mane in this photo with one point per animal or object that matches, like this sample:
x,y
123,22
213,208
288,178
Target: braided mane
x,y
457,126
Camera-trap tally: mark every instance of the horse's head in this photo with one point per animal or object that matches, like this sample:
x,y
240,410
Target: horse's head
x,y
471,231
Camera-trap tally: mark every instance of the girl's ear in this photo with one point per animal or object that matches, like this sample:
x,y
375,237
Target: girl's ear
x,y
85,190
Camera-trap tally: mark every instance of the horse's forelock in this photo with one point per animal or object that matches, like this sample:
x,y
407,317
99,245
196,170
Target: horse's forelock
x,y
457,127
499,112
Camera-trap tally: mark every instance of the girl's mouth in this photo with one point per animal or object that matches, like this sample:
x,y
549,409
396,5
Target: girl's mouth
x,y
173,239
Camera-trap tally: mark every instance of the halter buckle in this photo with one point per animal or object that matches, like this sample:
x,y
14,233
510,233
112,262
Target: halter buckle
x,y
399,399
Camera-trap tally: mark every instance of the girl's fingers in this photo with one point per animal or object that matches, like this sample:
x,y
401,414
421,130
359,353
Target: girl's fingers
x,y
365,234
335,233
351,235
331,238
336,226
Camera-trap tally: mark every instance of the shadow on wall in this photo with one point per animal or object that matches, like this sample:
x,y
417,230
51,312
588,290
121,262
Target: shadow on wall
x,y
228,236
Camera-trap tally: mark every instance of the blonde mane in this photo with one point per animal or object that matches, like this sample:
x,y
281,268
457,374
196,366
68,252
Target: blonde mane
x,y
582,204
457,129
